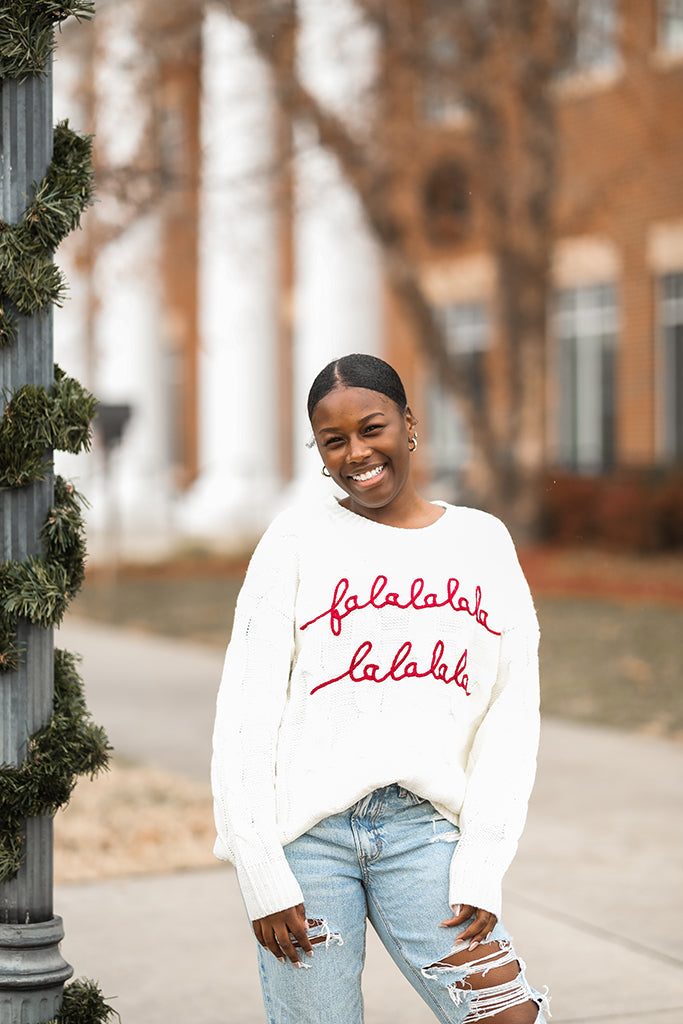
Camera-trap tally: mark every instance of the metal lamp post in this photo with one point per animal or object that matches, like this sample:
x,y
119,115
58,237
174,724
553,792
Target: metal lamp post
x,y
32,970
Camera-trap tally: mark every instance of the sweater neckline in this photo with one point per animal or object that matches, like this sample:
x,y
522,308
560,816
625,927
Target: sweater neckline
x,y
345,514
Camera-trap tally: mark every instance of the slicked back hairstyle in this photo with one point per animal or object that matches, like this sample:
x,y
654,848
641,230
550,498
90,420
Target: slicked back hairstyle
x,y
358,371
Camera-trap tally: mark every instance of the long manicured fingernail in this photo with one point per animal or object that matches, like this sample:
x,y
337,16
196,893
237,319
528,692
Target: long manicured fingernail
x,y
488,937
281,959
472,945
309,952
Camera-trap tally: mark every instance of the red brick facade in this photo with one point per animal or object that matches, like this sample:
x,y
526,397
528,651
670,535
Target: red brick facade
x,y
619,222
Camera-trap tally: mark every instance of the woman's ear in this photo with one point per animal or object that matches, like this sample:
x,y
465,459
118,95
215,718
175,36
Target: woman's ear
x,y
411,421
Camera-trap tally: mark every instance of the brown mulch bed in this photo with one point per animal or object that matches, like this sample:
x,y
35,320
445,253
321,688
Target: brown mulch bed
x,y
133,820
595,573
550,569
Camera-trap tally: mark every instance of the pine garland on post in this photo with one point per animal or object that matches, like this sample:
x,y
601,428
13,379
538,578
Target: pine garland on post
x,y
30,280
83,1003
40,588
68,746
27,33
36,420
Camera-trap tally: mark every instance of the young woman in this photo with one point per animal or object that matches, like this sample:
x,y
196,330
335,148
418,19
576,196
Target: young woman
x,y
376,729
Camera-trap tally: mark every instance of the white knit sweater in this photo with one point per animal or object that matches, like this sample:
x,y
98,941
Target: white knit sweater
x,y
364,655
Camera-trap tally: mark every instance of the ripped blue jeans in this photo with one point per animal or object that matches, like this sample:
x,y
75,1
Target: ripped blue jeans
x,y
386,859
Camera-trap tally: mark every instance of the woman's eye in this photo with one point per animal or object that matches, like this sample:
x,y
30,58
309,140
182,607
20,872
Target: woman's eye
x,y
373,426
332,441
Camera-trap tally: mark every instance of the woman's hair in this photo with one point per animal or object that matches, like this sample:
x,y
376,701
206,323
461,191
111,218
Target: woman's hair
x,y
358,371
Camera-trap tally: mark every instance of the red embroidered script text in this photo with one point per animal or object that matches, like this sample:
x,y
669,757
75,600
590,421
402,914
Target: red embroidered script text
x,y
362,670
400,668
342,605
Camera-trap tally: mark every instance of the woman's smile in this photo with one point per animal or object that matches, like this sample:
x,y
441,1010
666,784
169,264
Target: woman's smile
x,y
368,476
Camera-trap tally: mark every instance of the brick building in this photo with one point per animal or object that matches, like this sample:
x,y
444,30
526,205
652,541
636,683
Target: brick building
x,y
615,323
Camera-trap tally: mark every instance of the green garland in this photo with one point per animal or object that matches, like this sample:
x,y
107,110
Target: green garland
x,y
26,33
30,280
40,588
68,746
36,420
83,1003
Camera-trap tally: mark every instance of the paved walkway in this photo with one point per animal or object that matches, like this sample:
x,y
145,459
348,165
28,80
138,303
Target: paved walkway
x,y
594,897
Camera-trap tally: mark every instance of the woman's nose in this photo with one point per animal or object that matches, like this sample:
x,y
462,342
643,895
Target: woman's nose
x,y
358,449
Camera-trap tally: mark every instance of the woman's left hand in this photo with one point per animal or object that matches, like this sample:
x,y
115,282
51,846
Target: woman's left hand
x,y
480,928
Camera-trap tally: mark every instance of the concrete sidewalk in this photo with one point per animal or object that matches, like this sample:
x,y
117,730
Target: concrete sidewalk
x,y
594,897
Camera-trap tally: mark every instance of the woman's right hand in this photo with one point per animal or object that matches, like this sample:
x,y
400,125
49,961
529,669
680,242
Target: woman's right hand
x,y
284,933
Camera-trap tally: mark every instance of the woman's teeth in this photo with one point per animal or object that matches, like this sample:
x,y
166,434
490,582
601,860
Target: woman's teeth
x,y
360,478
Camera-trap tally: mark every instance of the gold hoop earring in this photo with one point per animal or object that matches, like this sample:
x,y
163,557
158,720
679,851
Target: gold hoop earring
x,y
412,443
325,471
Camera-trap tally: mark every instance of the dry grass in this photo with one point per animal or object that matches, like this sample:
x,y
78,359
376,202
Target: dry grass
x,y
613,664
133,820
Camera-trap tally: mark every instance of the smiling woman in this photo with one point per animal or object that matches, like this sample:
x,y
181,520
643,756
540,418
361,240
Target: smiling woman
x,y
376,729
365,441
365,432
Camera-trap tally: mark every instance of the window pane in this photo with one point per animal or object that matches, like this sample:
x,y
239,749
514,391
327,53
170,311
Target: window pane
x,y
671,318
467,336
670,34
596,35
467,327
585,330
441,100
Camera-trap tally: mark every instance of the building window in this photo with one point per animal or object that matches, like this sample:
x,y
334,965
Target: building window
x,y
467,332
595,42
446,203
671,318
670,25
585,331
441,99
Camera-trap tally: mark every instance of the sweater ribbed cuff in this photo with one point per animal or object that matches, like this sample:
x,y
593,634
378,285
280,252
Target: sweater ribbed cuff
x,y
476,874
268,888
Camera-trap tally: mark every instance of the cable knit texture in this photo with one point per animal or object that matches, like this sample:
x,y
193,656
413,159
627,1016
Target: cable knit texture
x,y
364,655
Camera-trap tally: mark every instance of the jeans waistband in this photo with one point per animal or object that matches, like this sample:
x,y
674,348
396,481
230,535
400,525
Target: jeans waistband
x,y
370,805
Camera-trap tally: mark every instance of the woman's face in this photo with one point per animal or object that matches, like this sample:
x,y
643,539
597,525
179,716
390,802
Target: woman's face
x,y
363,439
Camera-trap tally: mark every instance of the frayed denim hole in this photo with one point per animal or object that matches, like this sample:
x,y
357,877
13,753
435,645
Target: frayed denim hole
x,y
487,1001
451,836
320,933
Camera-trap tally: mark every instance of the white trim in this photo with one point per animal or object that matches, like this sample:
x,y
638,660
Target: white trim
x,y
584,260
665,246
466,280
577,82
665,60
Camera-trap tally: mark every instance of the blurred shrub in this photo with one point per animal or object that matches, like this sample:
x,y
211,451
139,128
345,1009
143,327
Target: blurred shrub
x,y
627,510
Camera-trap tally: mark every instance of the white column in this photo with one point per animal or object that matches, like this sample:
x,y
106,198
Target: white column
x,y
71,342
239,253
338,290
131,508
